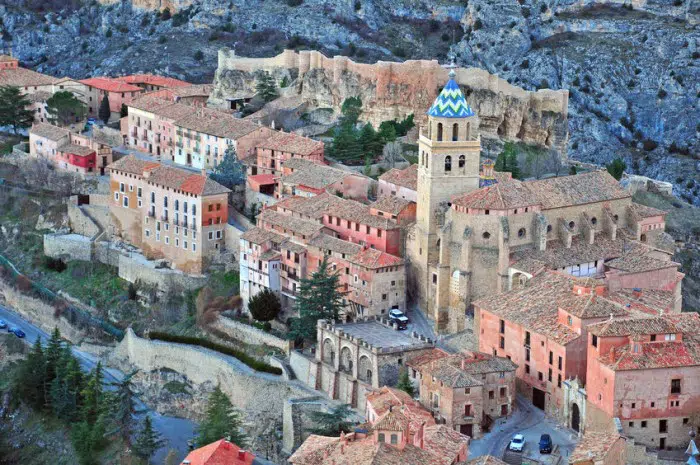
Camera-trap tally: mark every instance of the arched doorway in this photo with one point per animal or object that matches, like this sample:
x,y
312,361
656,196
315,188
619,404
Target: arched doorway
x,y
346,360
364,369
328,354
575,418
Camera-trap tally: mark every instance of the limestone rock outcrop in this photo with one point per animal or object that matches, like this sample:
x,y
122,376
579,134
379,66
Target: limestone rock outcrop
x,y
394,90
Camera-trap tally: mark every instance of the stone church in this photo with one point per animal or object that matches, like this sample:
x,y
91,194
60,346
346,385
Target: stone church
x,y
479,232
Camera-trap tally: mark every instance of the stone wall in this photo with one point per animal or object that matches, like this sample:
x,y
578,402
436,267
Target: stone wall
x,y
252,335
394,90
68,246
261,396
38,313
80,222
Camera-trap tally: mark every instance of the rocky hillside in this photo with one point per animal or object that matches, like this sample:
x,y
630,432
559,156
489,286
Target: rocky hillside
x,y
632,68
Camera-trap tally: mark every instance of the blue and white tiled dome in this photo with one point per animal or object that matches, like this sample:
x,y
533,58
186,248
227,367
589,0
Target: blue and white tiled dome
x,y
451,103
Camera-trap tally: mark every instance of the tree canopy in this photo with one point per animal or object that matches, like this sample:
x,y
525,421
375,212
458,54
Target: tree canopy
x,y
148,441
616,168
14,109
265,305
318,298
266,87
64,108
333,422
405,384
507,160
221,420
230,172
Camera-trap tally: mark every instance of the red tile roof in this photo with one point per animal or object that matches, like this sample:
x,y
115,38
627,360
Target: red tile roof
x,y
22,77
110,84
292,143
407,177
220,452
152,79
373,258
262,179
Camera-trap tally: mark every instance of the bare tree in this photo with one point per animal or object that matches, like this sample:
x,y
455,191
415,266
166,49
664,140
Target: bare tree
x,y
392,153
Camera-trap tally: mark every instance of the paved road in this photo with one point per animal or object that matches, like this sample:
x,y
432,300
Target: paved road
x,y
529,421
175,431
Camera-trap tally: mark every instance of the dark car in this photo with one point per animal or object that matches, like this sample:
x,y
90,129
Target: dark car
x,y
3,324
18,332
545,444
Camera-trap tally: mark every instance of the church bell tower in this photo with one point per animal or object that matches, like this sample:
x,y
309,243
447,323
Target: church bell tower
x,y
448,162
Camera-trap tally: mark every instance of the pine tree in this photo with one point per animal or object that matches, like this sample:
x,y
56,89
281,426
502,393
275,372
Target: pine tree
x,y
346,145
28,384
230,172
14,109
123,111
370,141
93,397
405,384
124,408
318,298
265,305
266,87
333,422
66,386
148,441
351,111
616,168
104,112
64,108
507,160
222,420
53,354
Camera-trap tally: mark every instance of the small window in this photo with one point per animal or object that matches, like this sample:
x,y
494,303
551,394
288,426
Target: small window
x,y
644,423
521,233
462,161
448,163
549,228
380,437
594,221
675,386
434,278
502,343
502,326
571,225
527,369
594,340
486,235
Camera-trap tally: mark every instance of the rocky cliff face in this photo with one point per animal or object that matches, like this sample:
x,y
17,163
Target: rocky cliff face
x,y
395,90
631,67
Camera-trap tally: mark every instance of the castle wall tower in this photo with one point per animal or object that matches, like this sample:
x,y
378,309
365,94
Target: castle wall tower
x,y
448,164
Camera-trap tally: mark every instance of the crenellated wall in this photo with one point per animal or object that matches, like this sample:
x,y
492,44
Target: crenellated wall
x,y
160,5
392,90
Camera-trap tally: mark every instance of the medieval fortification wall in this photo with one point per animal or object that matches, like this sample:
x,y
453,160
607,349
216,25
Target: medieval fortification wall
x,y
393,90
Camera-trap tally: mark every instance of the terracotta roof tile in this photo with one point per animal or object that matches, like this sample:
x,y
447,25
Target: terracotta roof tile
x,y
444,442
407,177
260,236
372,258
593,448
500,196
633,326
313,175
463,369
220,452
292,143
287,222
160,81
328,242
49,131
110,84
216,123
22,77
79,150
640,211
558,256
637,261
391,204
169,176
486,460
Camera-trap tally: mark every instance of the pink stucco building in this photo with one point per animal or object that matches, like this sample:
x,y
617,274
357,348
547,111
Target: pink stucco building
x,y
69,151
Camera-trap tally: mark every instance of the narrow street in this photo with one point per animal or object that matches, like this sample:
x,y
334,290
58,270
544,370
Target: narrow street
x,y
529,421
175,431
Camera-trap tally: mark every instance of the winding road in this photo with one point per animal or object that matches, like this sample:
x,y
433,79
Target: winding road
x,y
175,431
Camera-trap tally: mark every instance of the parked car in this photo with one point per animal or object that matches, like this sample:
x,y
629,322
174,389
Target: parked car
x,y
517,444
545,444
17,332
3,324
397,316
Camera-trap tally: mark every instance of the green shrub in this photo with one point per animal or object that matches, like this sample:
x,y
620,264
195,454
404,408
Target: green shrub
x,y
252,362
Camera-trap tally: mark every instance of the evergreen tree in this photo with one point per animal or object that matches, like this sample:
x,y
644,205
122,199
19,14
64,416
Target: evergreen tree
x,y
404,126
318,298
507,160
124,408
66,387
265,305
616,168
351,111
88,439
370,141
148,441
64,108
284,82
573,170
230,172
28,384
513,166
387,131
222,420
266,87
346,145
14,109
333,422
405,384
93,397
104,111
123,111
53,354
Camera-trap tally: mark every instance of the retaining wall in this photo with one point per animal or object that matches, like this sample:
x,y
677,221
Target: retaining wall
x,y
81,223
252,335
72,246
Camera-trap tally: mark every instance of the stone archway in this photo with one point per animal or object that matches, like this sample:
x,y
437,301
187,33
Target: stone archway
x,y
346,360
328,351
518,280
575,418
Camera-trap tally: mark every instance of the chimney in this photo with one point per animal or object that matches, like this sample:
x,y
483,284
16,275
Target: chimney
x,y
241,454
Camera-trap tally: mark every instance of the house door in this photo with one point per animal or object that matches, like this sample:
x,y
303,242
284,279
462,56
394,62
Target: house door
x,y
575,417
189,158
538,398
504,409
467,430
158,150
150,148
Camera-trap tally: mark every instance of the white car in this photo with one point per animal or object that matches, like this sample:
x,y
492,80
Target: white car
x,y
517,444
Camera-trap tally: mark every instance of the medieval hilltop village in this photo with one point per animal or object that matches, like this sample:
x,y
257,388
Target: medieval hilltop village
x,y
313,260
